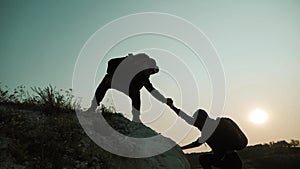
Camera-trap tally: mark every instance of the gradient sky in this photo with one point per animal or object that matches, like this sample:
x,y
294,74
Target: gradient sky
x,y
257,41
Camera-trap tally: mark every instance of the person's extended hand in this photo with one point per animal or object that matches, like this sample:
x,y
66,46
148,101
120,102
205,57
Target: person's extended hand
x,y
169,102
192,145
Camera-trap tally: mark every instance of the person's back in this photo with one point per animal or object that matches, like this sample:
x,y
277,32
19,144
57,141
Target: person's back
x,y
131,63
227,137
113,65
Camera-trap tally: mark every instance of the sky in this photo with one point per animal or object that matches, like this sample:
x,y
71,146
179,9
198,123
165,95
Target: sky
x,y
257,43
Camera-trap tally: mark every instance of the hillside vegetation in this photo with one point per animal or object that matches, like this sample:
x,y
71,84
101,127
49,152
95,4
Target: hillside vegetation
x,y
41,130
274,155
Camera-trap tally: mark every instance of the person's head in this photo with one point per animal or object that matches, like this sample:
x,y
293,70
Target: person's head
x,y
144,63
152,68
201,118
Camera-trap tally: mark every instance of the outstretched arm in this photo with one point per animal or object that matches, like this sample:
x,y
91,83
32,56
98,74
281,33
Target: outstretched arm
x,y
155,93
190,120
175,109
192,145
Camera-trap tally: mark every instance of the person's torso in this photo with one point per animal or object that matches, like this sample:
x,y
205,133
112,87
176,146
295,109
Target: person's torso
x,y
126,85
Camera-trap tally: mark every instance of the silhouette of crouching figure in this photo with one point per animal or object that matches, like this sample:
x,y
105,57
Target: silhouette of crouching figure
x,y
224,140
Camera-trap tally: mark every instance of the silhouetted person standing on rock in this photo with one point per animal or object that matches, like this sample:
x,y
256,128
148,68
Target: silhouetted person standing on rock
x,y
128,75
224,140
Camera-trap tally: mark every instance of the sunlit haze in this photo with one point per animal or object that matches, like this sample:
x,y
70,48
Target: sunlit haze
x,y
258,116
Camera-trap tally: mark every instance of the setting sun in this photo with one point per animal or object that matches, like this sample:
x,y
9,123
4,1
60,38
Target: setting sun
x,y
258,116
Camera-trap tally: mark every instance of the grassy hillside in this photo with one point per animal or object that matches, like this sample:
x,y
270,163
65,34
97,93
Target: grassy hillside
x,y
33,139
38,140
41,130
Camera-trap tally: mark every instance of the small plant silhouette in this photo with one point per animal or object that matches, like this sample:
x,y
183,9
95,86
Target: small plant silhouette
x,y
49,98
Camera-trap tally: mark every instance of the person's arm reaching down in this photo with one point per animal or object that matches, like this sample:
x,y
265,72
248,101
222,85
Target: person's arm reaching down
x,y
190,120
155,93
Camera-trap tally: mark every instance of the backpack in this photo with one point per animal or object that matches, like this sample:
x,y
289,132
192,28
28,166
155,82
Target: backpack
x,y
138,60
113,64
233,137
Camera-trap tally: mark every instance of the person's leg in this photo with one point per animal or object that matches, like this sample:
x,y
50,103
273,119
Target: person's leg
x,y
100,92
232,161
207,160
136,105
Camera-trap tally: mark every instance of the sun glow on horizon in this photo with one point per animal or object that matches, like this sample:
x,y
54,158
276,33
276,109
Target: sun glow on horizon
x,y
258,116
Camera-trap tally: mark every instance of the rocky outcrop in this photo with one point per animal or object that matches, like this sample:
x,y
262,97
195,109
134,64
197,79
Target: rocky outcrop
x,y
168,156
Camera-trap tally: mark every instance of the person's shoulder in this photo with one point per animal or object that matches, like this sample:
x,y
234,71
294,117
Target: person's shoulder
x,y
225,119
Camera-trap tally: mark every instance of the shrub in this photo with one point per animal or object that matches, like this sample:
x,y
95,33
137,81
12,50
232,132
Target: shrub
x,y
49,98
4,94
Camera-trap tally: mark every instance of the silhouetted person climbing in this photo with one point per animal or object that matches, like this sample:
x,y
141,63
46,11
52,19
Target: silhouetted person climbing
x,y
224,140
128,75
